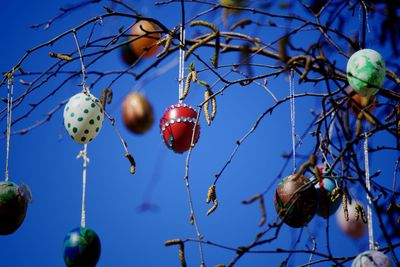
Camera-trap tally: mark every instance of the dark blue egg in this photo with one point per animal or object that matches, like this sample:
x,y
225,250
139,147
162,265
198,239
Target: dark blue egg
x,y
324,189
81,248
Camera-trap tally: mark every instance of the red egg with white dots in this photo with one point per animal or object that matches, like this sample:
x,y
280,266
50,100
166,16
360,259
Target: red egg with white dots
x,y
177,125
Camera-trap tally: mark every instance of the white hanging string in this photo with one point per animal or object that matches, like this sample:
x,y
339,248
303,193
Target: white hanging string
x,y
83,154
10,87
368,184
181,62
84,88
292,116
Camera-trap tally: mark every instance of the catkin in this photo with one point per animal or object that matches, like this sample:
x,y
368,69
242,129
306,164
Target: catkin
x,y
172,242
213,108
345,210
60,56
213,208
207,94
211,195
263,212
187,86
182,254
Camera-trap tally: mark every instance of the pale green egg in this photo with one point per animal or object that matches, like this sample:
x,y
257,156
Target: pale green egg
x,y
366,72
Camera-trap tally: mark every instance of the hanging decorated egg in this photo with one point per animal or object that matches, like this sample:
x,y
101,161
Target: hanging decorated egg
x,y
366,71
83,117
366,103
353,228
371,258
127,55
14,202
137,113
326,207
145,45
81,248
177,125
295,201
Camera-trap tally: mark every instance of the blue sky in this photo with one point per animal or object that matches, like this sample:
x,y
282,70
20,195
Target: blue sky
x,y
45,158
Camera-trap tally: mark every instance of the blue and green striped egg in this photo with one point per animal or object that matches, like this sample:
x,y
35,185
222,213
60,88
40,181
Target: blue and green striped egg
x,y
83,117
81,248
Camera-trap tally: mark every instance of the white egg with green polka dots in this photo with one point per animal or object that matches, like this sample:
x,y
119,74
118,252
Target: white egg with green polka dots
x,y
83,117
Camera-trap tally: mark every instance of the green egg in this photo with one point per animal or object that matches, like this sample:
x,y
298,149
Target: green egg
x,y
366,72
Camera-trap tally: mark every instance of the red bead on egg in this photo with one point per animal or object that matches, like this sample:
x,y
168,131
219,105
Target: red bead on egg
x,y
177,125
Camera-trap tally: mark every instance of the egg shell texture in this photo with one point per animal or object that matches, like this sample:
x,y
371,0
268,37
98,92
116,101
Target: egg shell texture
x,y
371,259
295,201
366,72
81,248
324,189
127,55
144,42
353,228
177,125
83,117
13,207
137,113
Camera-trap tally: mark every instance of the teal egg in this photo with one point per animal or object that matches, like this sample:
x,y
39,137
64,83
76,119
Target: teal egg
x,y
81,248
14,202
371,258
324,189
366,72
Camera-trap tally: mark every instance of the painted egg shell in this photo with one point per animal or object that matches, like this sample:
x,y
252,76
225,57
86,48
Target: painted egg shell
x,y
371,259
127,55
177,125
353,228
366,103
137,113
146,44
295,201
14,201
324,189
81,248
83,117
366,71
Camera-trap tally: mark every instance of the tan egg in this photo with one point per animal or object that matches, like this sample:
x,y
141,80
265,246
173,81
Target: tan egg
x,y
127,55
137,113
353,228
145,44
